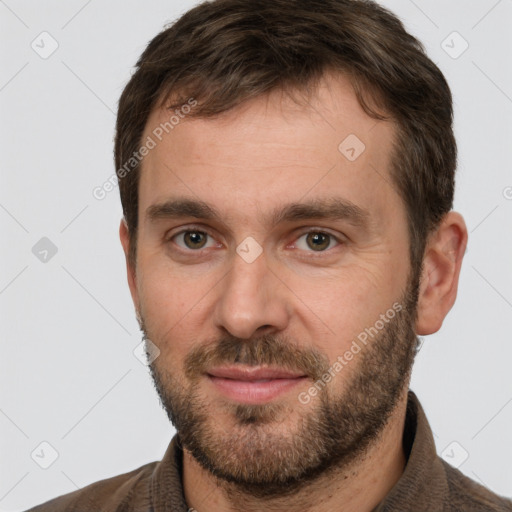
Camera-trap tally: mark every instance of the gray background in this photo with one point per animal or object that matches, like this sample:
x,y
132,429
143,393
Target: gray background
x,y
68,374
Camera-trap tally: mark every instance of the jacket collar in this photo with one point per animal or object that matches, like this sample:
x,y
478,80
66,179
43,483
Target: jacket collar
x,y
423,483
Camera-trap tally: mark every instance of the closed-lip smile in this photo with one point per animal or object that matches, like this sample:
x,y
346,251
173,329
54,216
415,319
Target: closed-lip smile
x,y
249,384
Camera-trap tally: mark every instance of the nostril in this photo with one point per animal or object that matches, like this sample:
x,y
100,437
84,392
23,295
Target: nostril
x,y
264,329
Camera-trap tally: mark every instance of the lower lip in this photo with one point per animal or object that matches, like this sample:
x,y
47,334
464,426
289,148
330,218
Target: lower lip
x,y
252,392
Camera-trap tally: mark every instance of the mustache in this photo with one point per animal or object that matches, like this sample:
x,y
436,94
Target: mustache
x,y
270,350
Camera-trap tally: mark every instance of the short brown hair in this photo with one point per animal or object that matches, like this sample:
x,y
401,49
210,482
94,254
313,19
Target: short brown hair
x,y
225,52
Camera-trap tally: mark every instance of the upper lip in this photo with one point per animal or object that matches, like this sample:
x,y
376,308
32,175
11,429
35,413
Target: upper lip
x,y
249,373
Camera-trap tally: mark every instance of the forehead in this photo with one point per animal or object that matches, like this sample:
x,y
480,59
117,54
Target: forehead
x,y
271,149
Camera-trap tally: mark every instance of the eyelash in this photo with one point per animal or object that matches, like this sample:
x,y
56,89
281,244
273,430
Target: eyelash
x,y
314,254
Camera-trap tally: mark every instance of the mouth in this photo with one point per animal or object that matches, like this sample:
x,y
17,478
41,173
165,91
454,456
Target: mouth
x,y
253,385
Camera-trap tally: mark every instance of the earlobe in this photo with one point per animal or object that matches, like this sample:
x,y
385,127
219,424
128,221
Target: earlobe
x,y
441,269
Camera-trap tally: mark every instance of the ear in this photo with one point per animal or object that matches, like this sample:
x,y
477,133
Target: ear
x,y
440,277
124,235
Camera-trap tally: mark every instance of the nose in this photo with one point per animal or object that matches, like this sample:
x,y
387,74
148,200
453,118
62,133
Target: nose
x,y
252,299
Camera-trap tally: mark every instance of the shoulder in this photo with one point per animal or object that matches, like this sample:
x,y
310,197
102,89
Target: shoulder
x,y
467,495
113,494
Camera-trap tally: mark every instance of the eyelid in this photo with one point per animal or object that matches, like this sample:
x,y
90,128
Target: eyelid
x,y
318,229
184,229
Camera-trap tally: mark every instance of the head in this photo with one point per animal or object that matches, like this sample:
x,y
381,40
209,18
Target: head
x,y
286,172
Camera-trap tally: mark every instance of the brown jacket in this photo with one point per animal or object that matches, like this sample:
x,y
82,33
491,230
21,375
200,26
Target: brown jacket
x,y
427,484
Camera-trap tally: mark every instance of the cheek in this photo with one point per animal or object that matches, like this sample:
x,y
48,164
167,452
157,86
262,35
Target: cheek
x,y
173,305
164,301
168,290
338,308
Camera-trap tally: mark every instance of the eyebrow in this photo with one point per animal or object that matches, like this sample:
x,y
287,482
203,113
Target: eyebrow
x,y
331,208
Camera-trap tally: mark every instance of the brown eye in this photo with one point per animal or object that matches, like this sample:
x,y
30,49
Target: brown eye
x,y
318,241
194,239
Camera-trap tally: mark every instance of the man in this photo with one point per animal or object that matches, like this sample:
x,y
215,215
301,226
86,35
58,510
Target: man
x,y
286,170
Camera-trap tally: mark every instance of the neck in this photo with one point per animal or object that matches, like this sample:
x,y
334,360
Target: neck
x,y
359,487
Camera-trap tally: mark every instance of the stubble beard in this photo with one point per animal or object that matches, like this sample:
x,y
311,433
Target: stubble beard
x,y
247,448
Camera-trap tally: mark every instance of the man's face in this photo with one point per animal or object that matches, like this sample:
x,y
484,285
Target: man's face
x,y
253,290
